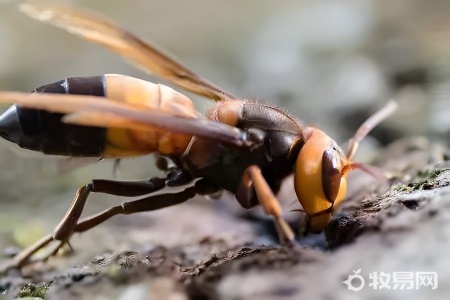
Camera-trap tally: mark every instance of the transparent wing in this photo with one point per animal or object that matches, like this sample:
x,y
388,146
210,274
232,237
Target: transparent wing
x,y
98,29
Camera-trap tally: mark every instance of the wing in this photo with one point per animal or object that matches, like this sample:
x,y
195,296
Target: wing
x,y
89,111
98,29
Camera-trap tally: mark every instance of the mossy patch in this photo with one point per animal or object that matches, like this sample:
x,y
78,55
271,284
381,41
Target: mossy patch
x,y
425,180
33,291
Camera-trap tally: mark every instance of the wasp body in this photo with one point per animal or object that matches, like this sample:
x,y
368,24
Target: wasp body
x,y
281,135
245,147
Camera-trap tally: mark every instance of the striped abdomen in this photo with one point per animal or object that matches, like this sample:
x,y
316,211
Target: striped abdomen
x,y
43,131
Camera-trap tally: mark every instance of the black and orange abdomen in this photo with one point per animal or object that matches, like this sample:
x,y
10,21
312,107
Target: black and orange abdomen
x,y
43,131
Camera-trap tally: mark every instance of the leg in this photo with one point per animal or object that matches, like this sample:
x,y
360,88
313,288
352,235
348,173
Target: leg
x,y
140,205
119,188
245,192
268,201
65,228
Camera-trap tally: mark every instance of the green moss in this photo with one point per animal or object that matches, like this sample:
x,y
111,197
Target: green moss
x,y
404,189
430,174
33,291
424,181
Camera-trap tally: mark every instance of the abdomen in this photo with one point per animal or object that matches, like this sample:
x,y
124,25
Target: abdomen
x,y
42,131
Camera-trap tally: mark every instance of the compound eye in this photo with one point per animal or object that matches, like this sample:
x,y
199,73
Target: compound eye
x,y
331,174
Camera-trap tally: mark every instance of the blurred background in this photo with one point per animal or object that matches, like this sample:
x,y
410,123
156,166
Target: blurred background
x,y
331,63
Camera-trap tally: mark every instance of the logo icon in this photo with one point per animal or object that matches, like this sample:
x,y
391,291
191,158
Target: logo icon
x,y
357,277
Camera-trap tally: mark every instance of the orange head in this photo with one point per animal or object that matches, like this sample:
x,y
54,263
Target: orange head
x,y
321,169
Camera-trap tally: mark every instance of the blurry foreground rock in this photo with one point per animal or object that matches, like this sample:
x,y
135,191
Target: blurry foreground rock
x,y
398,243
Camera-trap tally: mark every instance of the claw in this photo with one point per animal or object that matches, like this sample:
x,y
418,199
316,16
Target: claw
x,y
24,257
285,233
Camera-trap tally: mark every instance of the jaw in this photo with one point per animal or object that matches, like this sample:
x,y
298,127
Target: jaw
x,y
319,223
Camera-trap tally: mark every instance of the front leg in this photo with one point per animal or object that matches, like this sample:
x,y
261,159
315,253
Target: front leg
x,y
253,181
